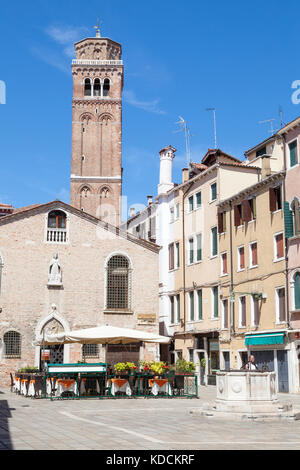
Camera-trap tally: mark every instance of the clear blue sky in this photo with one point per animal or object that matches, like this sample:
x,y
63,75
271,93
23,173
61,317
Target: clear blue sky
x,y
179,58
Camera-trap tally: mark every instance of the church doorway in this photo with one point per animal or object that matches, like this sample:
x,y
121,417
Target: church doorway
x,y
54,353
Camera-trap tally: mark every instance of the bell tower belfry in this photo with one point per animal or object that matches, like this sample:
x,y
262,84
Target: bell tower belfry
x,y
96,168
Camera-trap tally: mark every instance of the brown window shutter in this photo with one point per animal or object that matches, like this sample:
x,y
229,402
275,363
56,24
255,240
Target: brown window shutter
x,y
220,222
254,254
246,211
279,245
237,216
224,259
272,198
242,258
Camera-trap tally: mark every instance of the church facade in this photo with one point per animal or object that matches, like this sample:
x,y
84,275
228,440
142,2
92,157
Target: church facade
x,y
65,267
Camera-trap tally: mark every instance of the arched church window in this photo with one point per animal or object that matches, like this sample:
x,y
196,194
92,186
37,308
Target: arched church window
x,y
12,344
97,87
87,87
85,192
118,283
106,86
104,193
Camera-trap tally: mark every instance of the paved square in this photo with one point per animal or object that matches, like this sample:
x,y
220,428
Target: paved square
x,y
134,424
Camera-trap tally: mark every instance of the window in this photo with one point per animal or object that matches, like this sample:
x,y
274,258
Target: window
x,y
242,311
177,211
224,270
261,151
215,306
97,87
222,222
255,311
191,251
87,87
225,314
191,203
118,283
198,200
278,247
171,256
199,246
214,241
12,344
238,215
177,254
178,307
199,304
191,305
90,350
172,311
241,258
253,255
275,199
56,227
280,304
213,192
106,86
293,153
191,355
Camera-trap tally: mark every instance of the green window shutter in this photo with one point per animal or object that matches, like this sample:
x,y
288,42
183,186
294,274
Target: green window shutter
x,y
214,191
216,303
178,307
172,309
198,199
199,247
297,291
214,234
200,313
293,153
192,314
288,220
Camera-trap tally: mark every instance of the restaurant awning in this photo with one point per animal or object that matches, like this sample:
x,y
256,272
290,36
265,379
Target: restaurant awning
x,y
264,338
102,335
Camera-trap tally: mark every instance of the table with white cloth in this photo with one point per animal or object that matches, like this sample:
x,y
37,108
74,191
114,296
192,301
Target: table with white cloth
x,y
17,385
24,387
119,385
66,385
160,386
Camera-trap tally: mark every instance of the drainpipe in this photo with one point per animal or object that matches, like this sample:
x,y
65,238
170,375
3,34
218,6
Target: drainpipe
x,y
286,241
232,304
184,193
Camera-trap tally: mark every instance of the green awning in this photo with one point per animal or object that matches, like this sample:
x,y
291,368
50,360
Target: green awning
x,y
264,338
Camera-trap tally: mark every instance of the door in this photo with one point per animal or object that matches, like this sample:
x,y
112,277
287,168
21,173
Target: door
x,y
283,372
264,360
226,356
56,354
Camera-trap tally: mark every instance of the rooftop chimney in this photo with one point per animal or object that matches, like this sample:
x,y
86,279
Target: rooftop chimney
x,y
149,199
132,211
185,175
265,166
166,155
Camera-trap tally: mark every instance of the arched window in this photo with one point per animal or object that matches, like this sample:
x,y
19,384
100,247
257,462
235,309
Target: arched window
x,y
297,290
97,87
57,227
12,344
106,86
87,87
118,283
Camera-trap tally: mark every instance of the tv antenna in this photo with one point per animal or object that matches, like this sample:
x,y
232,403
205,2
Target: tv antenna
x,y
215,126
187,133
280,116
271,123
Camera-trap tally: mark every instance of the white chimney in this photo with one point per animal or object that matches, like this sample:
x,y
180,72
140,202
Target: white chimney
x,y
167,155
132,211
149,199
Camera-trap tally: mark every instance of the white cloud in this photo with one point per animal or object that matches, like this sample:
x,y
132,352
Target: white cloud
x,y
149,106
67,36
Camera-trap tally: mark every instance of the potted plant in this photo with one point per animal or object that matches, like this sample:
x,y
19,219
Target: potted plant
x,y
184,367
124,368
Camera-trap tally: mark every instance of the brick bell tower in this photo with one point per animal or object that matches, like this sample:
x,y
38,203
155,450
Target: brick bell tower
x,y
96,168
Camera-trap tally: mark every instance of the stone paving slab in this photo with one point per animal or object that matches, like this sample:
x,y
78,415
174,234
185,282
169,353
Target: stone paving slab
x,y
135,424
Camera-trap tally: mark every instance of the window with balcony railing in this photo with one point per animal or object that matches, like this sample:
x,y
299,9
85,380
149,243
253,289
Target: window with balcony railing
x,y
57,227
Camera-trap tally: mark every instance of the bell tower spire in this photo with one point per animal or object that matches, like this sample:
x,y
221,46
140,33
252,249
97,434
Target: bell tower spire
x,y
96,168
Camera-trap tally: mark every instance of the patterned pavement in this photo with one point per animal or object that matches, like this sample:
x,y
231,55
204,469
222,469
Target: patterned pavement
x,y
135,424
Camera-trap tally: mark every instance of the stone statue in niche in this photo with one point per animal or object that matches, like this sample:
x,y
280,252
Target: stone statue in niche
x,y
54,275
